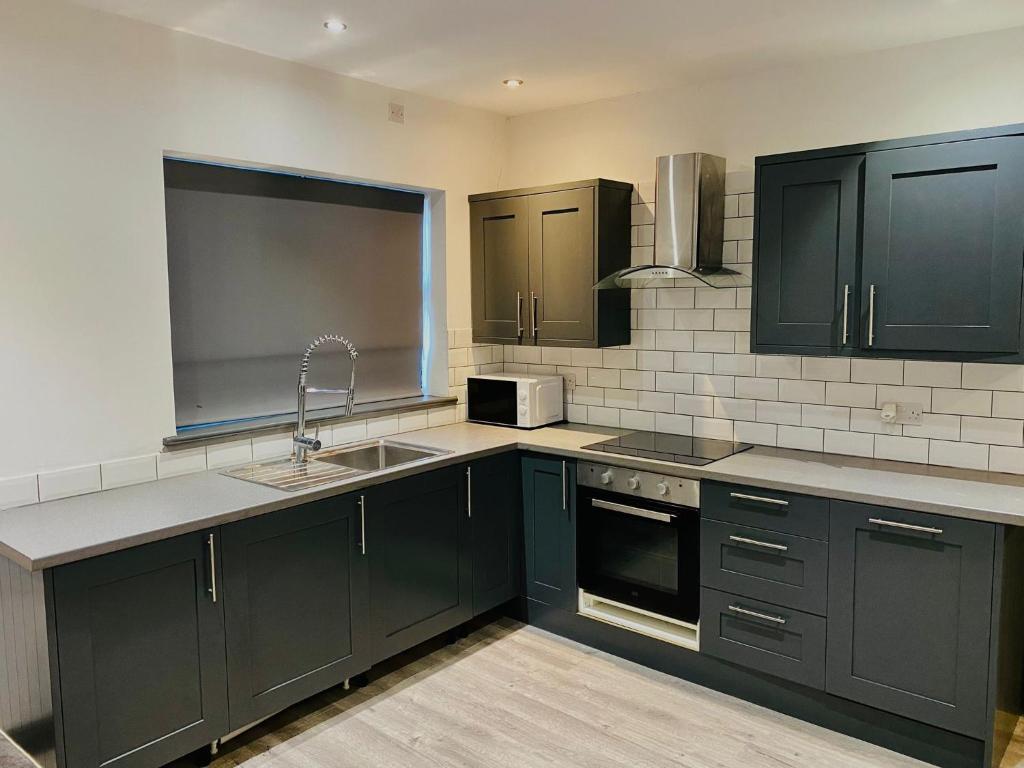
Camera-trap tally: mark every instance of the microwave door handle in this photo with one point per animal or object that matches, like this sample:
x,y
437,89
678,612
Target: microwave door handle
x,y
626,509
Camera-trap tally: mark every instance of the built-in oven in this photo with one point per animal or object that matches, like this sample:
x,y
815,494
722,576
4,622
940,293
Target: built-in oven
x,y
638,548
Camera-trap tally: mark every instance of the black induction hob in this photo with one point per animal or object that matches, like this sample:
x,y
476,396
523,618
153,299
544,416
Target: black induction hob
x,y
679,449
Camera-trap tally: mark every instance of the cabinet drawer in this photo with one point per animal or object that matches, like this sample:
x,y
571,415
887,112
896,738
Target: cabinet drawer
x,y
759,508
776,567
765,637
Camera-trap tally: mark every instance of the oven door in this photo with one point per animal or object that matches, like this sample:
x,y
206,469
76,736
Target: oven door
x,y
638,552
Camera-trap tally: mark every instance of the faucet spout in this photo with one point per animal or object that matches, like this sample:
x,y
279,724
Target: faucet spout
x,y
302,443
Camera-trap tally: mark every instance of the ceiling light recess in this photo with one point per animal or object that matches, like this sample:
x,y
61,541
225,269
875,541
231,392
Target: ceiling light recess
x,y
512,82
333,25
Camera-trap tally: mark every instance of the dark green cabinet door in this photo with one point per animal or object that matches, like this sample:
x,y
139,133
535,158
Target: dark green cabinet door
x,y
499,244
421,567
562,267
944,247
140,642
495,509
806,266
909,614
549,508
295,605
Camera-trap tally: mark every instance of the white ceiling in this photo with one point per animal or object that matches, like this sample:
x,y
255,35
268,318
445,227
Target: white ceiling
x,y
567,51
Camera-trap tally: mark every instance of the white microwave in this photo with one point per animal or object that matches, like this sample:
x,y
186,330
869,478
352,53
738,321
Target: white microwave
x,y
514,400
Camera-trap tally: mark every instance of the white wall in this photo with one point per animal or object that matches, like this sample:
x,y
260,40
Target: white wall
x,y
88,104
961,83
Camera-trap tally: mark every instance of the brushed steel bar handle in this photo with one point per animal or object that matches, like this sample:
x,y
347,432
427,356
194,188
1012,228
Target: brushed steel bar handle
x,y
846,313
905,526
212,589
565,493
362,524
757,614
626,509
469,492
765,499
756,543
519,314
871,317
534,299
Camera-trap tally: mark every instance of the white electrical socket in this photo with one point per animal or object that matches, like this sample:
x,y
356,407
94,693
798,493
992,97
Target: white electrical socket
x,y
570,381
902,413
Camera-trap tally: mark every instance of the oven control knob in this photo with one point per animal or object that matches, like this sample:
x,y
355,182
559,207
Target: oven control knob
x,y
522,397
607,477
633,483
662,488
522,410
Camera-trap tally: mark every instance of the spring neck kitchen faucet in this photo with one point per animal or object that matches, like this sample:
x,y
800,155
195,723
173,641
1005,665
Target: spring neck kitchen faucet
x,y
301,442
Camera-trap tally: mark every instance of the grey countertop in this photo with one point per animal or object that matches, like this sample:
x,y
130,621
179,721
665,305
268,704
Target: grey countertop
x,y
45,535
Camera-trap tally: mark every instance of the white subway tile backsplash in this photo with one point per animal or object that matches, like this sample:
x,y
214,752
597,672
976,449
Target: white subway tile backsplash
x,y
673,423
619,358
870,420
885,393
69,482
734,365
732,408
825,416
603,417
183,461
19,491
588,395
603,377
587,358
895,448
715,298
798,391
695,319
938,426
962,401
1008,405
964,455
621,398
714,341
826,368
739,182
755,432
975,429
694,362
556,356
927,373
667,381
382,426
757,388
800,438
856,395
116,474
778,366
876,371
631,379
1004,459
439,417
655,318
675,341
719,386
675,298
643,420
695,405
779,413
732,206
349,432
412,421
715,429
739,229
229,453
663,402
270,446
1008,378
849,443
576,413
747,204
650,360
732,320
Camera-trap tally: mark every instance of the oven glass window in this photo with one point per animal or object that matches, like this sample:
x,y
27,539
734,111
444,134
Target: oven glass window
x,y
638,551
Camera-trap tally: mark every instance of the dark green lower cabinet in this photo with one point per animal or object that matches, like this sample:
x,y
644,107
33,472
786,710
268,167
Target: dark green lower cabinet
x,y
909,614
549,509
295,605
421,565
496,514
140,643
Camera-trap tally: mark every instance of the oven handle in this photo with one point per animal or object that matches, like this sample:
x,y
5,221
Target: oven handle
x,y
662,517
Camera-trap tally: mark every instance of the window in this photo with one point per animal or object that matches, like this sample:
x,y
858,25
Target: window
x,y
261,263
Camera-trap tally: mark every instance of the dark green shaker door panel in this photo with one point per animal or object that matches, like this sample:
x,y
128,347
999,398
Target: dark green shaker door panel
x,y
549,506
295,603
421,567
944,247
808,223
562,266
495,510
499,244
909,614
141,654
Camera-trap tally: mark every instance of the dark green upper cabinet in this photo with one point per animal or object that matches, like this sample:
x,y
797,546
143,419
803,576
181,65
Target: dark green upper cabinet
x,y
806,266
536,254
140,648
944,247
295,605
928,233
421,565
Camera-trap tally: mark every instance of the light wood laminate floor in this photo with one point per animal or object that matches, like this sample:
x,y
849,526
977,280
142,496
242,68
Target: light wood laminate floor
x,y
511,696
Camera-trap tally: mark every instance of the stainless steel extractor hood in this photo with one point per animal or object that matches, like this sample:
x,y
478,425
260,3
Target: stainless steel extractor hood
x,y
688,226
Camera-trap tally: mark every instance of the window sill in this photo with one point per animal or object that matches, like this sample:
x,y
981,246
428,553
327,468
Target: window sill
x,y
268,424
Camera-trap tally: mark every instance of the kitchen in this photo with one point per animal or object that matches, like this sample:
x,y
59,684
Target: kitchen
x,y
780,523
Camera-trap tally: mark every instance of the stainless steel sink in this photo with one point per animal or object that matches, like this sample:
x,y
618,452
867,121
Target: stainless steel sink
x,y
334,464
